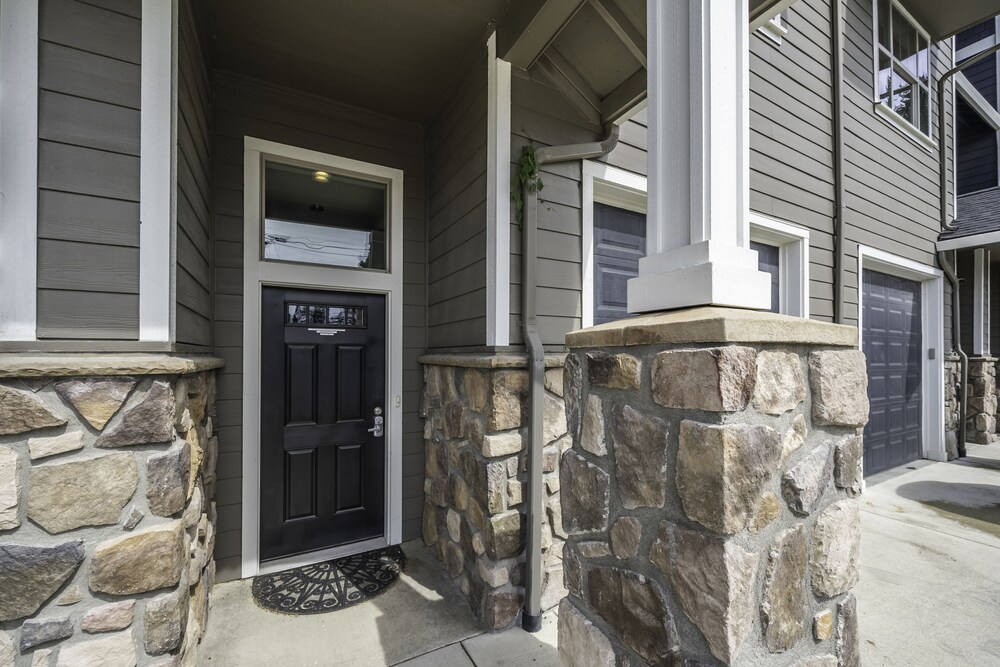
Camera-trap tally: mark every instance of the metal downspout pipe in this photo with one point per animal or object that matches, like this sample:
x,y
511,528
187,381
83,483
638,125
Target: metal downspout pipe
x,y
531,617
840,256
956,332
949,225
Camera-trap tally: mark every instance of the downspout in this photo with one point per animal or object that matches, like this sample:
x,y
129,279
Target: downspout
x,y
949,225
956,333
531,618
840,256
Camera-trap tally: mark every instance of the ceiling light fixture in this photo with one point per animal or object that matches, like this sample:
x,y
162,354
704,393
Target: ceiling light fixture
x,y
321,177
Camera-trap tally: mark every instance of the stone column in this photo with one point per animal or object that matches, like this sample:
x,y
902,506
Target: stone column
x,y
475,482
708,494
981,413
107,518
952,381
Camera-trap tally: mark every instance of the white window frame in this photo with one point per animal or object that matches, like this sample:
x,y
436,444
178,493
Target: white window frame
x,y
793,260
18,170
931,281
605,184
926,141
258,273
774,29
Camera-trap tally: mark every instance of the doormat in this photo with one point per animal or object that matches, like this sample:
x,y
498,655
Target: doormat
x,y
331,585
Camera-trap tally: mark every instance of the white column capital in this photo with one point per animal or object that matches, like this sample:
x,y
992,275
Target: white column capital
x,y
699,169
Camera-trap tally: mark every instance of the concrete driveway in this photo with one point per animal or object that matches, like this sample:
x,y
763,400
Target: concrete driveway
x,y
930,578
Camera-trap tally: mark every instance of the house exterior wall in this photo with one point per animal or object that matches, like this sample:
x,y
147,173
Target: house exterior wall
x,y
891,180
456,147
88,170
249,108
194,194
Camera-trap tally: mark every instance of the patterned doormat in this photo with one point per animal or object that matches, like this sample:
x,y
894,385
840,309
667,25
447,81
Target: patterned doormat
x,y
331,585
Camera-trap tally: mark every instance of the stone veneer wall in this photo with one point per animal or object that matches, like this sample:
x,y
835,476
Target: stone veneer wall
x,y
475,482
708,499
981,417
106,517
952,381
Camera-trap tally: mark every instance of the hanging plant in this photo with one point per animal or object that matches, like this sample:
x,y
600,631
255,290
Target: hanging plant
x,y
526,177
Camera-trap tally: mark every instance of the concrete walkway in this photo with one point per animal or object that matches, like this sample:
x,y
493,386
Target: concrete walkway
x,y
929,593
930,579
421,621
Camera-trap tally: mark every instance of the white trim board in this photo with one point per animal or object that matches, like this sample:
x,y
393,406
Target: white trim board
x,y
625,189
498,199
976,100
932,335
158,172
971,241
258,273
981,302
18,170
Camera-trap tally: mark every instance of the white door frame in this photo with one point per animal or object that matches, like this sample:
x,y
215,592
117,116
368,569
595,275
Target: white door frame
x,y
931,281
257,274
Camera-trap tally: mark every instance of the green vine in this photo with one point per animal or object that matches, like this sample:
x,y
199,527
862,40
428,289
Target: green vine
x,y
526,177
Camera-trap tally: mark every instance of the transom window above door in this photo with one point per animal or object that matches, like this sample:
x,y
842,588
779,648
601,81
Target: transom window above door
x,y
317,216
902,67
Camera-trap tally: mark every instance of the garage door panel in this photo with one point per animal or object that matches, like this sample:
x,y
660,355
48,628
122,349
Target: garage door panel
x,y
892,343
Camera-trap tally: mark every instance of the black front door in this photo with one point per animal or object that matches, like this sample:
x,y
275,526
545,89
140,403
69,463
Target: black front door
x,y
322,467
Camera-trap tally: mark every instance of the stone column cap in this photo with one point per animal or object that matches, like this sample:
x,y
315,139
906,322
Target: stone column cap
x,y
712,324
21,365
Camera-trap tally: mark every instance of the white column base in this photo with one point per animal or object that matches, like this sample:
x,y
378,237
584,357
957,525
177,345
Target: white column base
x,y
710,283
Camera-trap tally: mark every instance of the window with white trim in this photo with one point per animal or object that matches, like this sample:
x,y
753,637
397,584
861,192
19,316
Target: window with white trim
x,y
902,66
783,252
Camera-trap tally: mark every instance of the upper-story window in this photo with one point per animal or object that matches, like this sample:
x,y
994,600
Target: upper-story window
x,y
902,65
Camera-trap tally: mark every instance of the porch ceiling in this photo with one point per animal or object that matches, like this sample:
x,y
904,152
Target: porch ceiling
x,y
393,57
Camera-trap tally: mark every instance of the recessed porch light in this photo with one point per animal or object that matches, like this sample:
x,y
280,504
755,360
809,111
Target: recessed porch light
x,y
321,177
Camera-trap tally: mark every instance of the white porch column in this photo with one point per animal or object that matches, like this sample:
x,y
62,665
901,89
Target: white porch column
x,y
981,302
698,198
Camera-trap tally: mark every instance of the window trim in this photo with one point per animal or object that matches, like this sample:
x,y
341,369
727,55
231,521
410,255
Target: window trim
x,y
926,141
793,260
605,184
774,29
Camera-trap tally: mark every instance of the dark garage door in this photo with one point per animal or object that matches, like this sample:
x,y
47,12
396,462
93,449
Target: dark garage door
x,y
892,345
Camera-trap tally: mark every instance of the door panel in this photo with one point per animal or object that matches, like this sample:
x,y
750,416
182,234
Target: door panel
x,y
322,382
893,348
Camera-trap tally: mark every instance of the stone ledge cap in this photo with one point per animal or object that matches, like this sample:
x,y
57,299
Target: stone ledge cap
x,y
714,325
21,365
502,360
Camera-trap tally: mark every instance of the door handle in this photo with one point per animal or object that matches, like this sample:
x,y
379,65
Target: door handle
x,y
377,429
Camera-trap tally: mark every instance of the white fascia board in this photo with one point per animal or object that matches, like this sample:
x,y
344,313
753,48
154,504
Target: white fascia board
x,y
498,199
973,241
158,171
18,169
976,100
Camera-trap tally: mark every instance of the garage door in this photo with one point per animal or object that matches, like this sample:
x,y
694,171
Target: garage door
x,y
892,345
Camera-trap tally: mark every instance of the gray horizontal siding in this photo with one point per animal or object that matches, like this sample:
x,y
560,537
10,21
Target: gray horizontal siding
x,y
244,108
88,169
456,225
194,196
891,181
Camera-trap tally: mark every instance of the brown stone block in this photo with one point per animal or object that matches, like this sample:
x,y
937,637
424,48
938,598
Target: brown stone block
x,y
719,379
614,371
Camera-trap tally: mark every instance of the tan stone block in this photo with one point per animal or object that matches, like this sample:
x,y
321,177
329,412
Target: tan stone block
x,y
10,489
116,650
785,601
713,581
719,379
781,384
794,437
768,510
580,642
640,443
722,471
614,371
39,448
836,550
108,617
21,412
823,625
476,389
503,444
138,562
592,433
554,381
87,492
839,381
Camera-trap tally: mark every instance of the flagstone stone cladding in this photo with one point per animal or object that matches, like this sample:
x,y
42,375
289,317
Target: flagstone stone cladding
x,y
475,479
107,524
981,406
708,500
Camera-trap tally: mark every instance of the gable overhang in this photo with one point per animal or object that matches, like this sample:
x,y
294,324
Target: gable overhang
x,y
944,19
